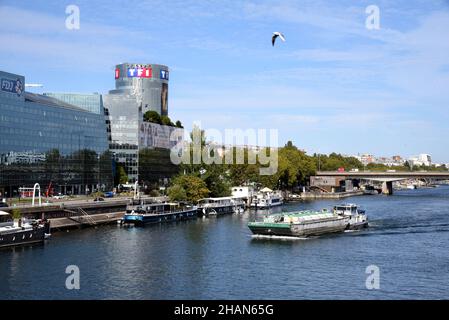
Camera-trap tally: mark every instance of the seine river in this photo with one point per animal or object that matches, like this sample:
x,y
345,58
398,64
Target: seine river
x,y
217,258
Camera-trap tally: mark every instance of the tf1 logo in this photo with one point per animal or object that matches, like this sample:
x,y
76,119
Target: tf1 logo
x,y
164,74
140,72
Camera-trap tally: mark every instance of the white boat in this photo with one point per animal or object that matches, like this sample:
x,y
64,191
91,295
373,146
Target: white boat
x,y
356,219
23,231
266,198
218,206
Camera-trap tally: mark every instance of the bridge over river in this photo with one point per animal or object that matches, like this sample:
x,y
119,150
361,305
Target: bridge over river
x,y
387,178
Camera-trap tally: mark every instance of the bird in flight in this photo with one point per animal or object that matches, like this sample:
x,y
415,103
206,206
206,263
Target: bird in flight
x,y
275,35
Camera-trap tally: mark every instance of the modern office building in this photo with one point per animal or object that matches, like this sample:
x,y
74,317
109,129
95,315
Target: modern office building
x,y
51,142
142,148
92,102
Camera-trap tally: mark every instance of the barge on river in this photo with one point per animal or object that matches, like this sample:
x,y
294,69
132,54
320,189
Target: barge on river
x,y
142,214
311,223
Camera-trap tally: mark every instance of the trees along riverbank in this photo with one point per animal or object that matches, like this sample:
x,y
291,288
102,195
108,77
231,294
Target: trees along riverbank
x,y
294,168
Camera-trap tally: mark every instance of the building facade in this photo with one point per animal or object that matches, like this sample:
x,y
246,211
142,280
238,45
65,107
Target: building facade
x,y
92,102
141,148
421,160
47,141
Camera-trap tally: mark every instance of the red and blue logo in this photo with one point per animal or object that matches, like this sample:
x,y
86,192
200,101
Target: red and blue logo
x,y
140,72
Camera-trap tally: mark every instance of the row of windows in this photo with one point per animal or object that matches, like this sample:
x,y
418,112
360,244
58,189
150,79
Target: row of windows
x,y
30,108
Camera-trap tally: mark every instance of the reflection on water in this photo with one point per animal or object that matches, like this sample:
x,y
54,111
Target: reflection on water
x,y
218,258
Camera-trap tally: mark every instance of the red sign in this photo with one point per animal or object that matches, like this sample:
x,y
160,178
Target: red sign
x,y
117,73
140,72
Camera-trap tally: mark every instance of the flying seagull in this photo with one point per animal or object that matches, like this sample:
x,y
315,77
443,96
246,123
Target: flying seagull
x,y
275,35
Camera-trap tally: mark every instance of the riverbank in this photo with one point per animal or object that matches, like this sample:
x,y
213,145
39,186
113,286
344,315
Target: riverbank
x,y
323,195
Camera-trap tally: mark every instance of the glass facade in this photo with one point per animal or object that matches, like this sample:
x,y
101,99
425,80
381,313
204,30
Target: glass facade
x,y
91,102
48,141
146,83
141,148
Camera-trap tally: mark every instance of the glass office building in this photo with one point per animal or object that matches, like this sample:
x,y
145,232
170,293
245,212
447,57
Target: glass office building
x,y
92,102
141,148
50,142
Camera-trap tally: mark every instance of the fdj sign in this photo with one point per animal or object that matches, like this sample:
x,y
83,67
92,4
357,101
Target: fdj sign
x,y
164,74
140,72
12,86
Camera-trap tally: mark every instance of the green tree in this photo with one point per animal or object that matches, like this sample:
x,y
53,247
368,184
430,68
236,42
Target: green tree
x,y
194,186
166,121
121,177
152,116
179,124
177,193
294,166
16,213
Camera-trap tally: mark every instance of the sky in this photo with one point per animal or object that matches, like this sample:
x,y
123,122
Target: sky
x,y
333,86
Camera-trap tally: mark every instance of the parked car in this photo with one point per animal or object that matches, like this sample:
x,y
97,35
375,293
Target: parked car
x,y
109,194
99,199
59,196
3,205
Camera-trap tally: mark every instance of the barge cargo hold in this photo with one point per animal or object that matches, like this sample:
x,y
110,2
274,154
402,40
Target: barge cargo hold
x,y
299,224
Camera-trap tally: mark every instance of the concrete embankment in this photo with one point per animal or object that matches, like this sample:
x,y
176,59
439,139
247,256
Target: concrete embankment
x,y
59,224
324,195
77,214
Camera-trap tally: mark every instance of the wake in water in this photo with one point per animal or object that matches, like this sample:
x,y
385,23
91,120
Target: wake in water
x,y
287,238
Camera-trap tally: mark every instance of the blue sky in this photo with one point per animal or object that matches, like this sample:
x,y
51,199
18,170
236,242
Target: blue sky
x,y
333,85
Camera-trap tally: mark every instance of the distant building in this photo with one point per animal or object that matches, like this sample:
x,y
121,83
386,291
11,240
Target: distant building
x,y
421,160
366,159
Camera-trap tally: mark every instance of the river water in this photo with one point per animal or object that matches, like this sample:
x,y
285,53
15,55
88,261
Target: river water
x,y
217,258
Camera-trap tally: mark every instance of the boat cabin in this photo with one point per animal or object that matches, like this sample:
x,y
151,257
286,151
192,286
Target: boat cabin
x,y
155,208
223,201
347,210
6,219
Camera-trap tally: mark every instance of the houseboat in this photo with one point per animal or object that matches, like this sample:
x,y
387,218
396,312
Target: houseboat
x,y
23,231
266,198
219,206
142,214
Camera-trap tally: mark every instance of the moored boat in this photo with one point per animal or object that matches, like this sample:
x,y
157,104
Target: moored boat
x,y
23,231
370,190
300,224
266,198
158,213
219,206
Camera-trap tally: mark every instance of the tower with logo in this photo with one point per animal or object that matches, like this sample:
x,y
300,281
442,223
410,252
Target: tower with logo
x,y
139,147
